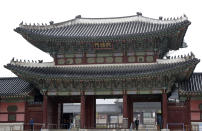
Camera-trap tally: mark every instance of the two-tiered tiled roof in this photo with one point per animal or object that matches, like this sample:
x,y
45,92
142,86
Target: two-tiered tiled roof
x,y
14,86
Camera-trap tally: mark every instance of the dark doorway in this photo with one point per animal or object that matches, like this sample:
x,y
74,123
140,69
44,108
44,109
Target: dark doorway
x,y
67,119
159,120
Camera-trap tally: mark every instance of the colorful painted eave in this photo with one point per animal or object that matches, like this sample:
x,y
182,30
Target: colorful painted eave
x,y
168,67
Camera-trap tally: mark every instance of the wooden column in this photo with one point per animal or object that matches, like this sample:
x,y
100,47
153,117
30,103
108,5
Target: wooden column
x,y
87,113
92,106
45,111
125,105
90,112
26,119
59,115
188,113
127,108
83,111
164,109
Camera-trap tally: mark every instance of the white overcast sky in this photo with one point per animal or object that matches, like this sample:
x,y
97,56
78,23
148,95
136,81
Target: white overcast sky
x,y
12,12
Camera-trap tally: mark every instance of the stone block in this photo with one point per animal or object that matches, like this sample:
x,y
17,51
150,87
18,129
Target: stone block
x,y
165,129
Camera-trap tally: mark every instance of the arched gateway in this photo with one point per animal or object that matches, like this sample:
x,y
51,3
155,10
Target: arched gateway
x,y
122,57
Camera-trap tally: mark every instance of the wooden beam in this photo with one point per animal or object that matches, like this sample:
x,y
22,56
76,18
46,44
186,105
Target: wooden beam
x,y
83,112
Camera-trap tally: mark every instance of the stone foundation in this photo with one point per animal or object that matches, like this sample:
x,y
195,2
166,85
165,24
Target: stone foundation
x,y
11,126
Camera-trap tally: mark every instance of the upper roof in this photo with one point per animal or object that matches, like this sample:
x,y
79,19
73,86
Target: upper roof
x,y
95,29
193,86
14,86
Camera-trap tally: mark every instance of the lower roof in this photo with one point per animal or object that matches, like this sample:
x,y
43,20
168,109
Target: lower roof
x,y
102,71
14,86
193,86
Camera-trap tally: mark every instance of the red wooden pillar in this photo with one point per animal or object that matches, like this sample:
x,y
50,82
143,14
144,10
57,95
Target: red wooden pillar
x,y
125,105
45,111
90,112
94,112
164,109
83,111
26,115
127,108
92,102
87,113
59,115
188,113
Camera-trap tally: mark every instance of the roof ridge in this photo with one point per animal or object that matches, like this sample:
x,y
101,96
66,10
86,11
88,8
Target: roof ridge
x,y
106,20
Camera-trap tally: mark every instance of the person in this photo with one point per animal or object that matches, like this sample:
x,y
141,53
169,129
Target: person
x,y
136,124
31,123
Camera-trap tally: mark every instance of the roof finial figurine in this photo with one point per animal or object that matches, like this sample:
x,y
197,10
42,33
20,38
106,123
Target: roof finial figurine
x,y
40,61
139,14
51,22
78,17
160,18
13,59
21,23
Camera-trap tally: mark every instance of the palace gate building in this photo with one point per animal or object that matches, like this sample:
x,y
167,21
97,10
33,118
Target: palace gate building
x,y
122,57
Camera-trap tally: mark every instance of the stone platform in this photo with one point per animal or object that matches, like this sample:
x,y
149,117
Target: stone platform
x,y
103,130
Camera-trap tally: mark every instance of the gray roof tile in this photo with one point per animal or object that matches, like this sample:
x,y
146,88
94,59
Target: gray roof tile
x,y
103,28
99,71
14,86
193,86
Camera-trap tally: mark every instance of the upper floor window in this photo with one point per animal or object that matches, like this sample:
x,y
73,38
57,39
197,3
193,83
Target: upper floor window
x,y
12,108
